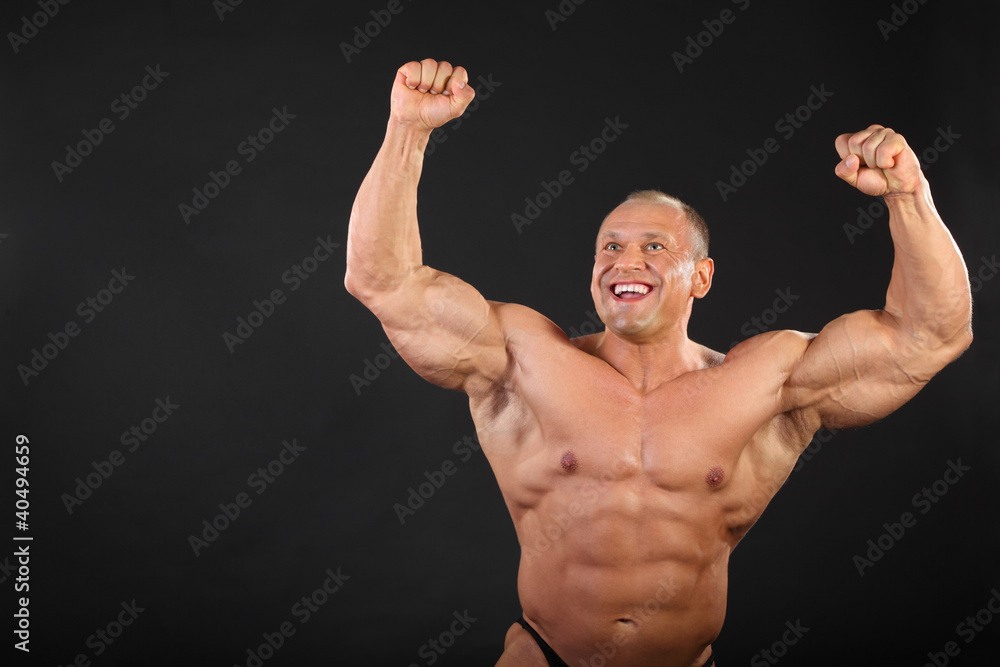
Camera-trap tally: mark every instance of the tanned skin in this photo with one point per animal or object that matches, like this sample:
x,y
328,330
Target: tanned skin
x,y
634,460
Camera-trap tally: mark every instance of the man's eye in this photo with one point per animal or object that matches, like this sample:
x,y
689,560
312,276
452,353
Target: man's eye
x,y
612,246
655,246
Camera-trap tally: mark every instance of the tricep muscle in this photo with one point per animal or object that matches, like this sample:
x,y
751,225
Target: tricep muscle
x,y
443,328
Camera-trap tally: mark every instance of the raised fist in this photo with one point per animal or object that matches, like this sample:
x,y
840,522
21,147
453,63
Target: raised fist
x,y
429,93
878,161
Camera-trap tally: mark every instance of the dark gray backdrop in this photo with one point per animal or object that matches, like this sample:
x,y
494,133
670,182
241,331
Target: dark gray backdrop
x,y
368,442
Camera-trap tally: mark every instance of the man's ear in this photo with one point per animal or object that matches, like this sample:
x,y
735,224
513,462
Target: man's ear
x,y
701,279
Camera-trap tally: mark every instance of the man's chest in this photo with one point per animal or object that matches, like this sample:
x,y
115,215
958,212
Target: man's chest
x,y
587,421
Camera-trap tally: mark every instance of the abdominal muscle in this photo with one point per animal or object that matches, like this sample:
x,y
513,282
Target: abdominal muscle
x,y
622,567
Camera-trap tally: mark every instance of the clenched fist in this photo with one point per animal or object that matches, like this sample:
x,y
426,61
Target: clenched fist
x,y
878,161
429,93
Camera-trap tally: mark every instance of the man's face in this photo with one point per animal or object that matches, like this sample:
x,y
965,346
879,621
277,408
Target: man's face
x,y
644,272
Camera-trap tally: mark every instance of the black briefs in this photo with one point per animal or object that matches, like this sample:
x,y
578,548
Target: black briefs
x,y
550,655
555,661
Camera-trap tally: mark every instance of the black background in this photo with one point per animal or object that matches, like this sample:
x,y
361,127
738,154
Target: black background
x,y
367,445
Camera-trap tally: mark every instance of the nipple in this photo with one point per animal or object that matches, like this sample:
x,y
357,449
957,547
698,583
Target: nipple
x,y
715,476
568,461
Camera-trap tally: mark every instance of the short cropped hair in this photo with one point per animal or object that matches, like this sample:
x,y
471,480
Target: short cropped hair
x,y
699,230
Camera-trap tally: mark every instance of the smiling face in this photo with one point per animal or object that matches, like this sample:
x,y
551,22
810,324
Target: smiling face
x,y
645,272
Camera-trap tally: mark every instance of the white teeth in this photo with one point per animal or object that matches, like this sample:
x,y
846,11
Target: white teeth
x,y
631,287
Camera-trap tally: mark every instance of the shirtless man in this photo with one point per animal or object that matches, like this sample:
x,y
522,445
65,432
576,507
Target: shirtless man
x,y
634,460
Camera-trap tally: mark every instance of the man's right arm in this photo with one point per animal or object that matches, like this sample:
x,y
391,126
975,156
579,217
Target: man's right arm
x,y
444,329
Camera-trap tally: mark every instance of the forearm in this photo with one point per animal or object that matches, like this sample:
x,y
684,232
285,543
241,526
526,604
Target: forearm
x,y
383,240
929,290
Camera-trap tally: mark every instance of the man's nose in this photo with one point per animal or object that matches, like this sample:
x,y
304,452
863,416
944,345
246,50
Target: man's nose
x,y
630,258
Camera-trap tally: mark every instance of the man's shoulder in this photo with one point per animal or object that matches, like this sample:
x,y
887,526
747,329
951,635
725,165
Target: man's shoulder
x,y
516,319
763,364
782,346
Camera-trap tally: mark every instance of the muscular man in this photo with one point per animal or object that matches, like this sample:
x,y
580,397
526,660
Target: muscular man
x,y
634,460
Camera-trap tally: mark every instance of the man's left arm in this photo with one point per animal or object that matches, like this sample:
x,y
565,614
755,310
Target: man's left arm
x,y
864,365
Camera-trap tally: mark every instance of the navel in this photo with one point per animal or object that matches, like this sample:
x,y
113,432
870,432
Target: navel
x,y
715,476
568,461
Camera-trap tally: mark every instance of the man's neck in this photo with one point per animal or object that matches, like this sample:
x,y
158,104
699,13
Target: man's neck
x,y
647,364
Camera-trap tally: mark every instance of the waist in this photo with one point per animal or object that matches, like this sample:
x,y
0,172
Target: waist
x,y
661,613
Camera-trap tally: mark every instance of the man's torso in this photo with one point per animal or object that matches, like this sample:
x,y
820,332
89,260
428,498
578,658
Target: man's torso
x,y
627,502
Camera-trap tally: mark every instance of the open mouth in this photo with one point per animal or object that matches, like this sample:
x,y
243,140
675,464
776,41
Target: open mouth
x,y
630,291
